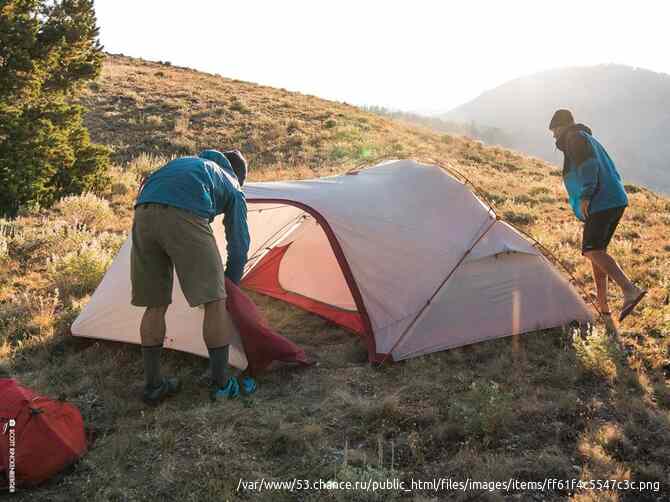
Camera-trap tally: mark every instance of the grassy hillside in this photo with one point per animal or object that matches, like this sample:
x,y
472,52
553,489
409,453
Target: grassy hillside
x,y
552,404
489,135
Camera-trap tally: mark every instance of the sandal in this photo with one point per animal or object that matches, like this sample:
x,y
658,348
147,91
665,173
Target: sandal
x,y
627,309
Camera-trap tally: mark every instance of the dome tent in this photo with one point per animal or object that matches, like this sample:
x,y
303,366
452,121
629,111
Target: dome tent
x,y
402,253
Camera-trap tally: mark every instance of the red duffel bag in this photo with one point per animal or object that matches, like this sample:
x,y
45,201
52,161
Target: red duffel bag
x,y
48,434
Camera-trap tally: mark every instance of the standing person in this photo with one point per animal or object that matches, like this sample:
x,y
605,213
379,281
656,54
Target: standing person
x,y
597,197
171,228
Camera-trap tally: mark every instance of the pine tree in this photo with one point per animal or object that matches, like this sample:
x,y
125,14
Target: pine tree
x,y
48,50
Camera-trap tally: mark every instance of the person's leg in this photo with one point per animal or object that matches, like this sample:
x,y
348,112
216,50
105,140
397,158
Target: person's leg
x,y
195,253
600,279
609,266
152,334
218,330
598,232
151,278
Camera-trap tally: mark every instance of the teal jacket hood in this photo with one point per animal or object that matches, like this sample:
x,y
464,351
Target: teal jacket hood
x,y
218,157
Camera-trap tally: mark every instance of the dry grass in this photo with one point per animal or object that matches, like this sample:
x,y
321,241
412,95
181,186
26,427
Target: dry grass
x,y
557,404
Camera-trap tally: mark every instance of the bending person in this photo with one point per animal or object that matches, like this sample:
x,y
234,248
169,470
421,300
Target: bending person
x,y
171,231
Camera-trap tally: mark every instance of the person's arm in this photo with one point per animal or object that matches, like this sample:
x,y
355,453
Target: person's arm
x,y
580,152
237,237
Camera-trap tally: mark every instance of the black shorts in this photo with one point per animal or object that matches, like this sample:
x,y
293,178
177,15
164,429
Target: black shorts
x,y
599,229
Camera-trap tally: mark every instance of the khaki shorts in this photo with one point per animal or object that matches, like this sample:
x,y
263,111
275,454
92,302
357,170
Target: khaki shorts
x,y
164,238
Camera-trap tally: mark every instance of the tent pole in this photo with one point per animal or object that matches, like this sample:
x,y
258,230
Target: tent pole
x,y
437,291
272,240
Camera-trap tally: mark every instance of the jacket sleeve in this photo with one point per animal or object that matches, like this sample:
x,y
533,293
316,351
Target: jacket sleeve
x,y
581,154
237,237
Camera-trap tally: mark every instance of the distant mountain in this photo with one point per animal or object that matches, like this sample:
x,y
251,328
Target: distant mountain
x,y
627,108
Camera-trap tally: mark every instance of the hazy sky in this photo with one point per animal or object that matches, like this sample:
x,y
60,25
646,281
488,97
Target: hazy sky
x,y
419,55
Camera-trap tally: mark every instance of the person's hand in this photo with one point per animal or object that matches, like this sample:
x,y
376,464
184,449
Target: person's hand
x,y
585,207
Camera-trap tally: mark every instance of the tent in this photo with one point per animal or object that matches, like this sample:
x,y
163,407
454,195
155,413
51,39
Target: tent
x,y
402,253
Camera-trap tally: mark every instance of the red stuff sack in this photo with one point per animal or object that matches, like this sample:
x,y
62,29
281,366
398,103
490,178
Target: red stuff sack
x,y
261,344
48,434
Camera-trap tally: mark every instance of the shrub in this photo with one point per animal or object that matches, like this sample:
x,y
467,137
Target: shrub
x,y
4,240
79,272
120,188
49,49
154,120
338,153
86,209
640,217
330,123
49,237
519,217
239,106
181,124
594,353
14,318
111,242
293,142
293,126
484,411
524,199
494,198
506,166
145,163
125,182
633,188
538,190
4,247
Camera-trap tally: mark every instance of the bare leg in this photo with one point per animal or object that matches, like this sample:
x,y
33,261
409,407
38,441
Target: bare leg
x,y
218,328
600,278
152,334
611,268
152,328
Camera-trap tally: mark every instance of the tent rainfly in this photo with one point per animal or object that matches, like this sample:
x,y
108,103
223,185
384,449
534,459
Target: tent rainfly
x,y
402,253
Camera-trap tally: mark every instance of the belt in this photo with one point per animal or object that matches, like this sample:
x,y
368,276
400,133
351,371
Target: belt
x,y
146,205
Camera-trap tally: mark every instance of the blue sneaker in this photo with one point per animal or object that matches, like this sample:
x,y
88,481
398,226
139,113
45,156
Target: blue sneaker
x,y
230,390
248,385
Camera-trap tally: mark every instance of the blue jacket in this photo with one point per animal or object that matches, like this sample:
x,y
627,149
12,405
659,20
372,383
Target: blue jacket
x,y
205,185
589,172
